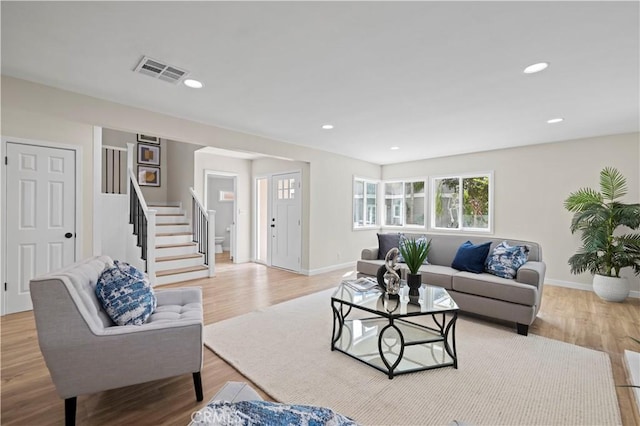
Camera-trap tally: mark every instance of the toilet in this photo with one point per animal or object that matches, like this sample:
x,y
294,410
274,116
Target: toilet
x,y
219,241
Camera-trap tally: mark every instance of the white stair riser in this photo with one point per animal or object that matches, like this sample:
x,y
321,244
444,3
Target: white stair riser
x,y
169,279
167,229
176,251
171,219
166,210
179,263
173,239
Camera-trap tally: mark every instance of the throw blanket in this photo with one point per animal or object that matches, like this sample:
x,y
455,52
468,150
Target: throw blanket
x,y
250,413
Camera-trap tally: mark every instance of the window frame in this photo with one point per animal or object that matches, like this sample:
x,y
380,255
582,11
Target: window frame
x,y
461,228
365,226
403,197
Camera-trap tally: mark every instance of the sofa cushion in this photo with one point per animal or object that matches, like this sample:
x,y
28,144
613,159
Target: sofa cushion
x,y
442,276
505,260
488,285
386,242
471,257
125,294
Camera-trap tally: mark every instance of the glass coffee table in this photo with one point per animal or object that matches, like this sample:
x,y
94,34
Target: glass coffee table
x,y
384,332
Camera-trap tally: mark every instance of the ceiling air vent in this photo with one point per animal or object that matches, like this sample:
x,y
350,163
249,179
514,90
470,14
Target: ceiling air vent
x,y
161,71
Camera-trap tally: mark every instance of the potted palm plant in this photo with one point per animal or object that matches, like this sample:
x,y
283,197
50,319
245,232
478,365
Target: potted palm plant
x,y
598,215
414,252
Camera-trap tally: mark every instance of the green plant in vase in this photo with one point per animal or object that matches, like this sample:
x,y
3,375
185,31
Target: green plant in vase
x,y
597,215
414,252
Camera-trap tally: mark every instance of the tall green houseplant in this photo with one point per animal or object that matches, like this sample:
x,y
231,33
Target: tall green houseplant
x,y
597,215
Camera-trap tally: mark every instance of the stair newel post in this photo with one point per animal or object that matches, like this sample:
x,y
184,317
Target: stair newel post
x,y
211,241
130,148
151,246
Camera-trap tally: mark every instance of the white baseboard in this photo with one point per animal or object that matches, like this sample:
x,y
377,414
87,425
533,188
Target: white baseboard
x,y
580,286
311,272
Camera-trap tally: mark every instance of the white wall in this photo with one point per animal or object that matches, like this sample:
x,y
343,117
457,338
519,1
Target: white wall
x,y
241,168
539,177
115,230
531,184
180,158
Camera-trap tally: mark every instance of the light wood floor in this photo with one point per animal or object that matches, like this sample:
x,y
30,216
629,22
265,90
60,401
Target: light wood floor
x,y
29,397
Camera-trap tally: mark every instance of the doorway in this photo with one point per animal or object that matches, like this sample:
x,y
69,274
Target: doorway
x,y
220,190
41,217
278,239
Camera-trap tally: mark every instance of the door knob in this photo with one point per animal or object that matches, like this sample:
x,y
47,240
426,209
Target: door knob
x,y
68,235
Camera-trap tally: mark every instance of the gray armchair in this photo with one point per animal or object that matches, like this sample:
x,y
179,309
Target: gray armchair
x,y
86,353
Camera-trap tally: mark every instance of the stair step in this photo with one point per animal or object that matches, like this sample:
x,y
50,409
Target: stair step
x,y
176,249
172,229
175,245
172,234
181,270
178,260
168,214
165,209
179,257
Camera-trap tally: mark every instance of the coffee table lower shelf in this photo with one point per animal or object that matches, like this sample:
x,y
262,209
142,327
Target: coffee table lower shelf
x,y
396,346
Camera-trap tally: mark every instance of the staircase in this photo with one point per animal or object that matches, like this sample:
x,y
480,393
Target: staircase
x,y
177,257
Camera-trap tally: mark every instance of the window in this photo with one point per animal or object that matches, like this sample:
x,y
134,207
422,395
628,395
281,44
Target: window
x,y
404,203
462,202
286,189
365,201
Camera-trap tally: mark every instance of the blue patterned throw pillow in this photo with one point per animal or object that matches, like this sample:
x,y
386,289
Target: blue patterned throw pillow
x,y
506,260
125,294
251,413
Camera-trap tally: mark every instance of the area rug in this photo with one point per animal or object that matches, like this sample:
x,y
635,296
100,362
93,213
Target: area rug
x,y
502,378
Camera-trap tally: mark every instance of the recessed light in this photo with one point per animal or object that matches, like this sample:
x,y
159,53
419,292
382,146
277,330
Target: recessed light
x,y
194,84
395,148
555,120
531,69
327,126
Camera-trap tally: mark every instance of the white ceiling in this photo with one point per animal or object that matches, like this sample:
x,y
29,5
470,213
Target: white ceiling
x,y
434,78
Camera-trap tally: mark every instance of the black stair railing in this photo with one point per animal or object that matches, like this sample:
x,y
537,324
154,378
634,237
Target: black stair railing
x,y
203,225
143,221
138,219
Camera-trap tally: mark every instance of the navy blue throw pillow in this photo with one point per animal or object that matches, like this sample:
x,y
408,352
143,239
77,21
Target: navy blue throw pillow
x,y
471,257
386,242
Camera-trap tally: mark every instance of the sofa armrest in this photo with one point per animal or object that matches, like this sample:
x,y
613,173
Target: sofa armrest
x,y
369,254
532,273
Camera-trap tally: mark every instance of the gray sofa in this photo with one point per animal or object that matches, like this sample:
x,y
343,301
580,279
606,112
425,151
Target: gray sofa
x,y
516,300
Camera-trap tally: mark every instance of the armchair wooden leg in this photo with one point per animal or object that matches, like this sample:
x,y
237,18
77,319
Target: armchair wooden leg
x,y
197,384
70,411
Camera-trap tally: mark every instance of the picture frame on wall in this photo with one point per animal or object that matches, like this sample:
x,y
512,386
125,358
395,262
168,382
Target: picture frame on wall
x,y
148,176
148,139
148,154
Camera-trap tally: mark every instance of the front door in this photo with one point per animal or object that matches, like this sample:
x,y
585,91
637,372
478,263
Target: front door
x,y
286,234
40,217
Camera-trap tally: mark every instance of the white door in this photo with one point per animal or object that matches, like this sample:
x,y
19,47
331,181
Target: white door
x,y
286,234
41,196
